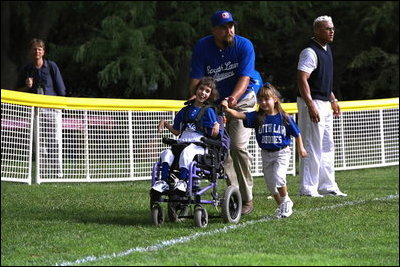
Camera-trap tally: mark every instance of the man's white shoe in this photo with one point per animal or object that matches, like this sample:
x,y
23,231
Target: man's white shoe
x,y
181,186
311,195
286,208
160,186
336,193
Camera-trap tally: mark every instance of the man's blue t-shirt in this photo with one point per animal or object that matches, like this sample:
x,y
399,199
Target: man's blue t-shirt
x,y
207,120
257,81
273,133
226,65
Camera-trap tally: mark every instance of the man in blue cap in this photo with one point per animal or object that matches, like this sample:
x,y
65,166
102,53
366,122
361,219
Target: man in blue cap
x,y
230,60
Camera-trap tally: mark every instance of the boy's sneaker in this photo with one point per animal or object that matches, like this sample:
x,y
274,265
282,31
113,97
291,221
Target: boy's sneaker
x,y
181,186
160,186
286,208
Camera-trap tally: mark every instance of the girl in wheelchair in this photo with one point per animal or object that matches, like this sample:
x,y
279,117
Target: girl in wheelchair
x,y
190,127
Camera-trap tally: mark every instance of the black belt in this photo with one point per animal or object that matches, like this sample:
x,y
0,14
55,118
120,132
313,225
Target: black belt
x,y
276,149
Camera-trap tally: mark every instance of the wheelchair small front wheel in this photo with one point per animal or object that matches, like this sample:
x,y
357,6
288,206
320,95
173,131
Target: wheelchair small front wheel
x,y
157,214
200,216
231,205
154,198
176,209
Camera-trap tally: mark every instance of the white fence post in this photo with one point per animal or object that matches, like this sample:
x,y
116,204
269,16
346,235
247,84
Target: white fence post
x,y
113,142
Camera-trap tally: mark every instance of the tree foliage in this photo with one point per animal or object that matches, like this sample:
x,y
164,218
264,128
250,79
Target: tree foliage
x,y
137,49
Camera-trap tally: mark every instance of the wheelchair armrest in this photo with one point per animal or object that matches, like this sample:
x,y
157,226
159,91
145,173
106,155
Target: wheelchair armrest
x,y
169,141
212,142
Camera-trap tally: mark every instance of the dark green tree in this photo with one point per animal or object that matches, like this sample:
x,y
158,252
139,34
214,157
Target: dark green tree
x,y
369,53
137,49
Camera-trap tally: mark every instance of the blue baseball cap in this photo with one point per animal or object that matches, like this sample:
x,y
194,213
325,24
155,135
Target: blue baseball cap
x,y
221,17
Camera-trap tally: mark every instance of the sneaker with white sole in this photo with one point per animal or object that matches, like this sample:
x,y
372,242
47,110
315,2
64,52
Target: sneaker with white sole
x,y
286,208
278,213
173,178
181,186
311,195
336,193
160,186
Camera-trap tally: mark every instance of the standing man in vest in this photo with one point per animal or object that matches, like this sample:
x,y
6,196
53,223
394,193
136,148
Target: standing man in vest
x,y
230,60
315,104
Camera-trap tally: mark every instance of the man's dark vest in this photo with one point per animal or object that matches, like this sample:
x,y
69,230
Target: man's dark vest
x,y
321,79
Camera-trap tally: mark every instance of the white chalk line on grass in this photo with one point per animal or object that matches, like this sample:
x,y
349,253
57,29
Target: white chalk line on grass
x,y
224,229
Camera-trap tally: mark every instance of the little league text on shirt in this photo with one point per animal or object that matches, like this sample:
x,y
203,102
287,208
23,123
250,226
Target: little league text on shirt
x,y
228,66
271,139
272,128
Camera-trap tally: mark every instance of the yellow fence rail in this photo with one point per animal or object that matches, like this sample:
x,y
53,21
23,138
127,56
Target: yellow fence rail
x,y
72,139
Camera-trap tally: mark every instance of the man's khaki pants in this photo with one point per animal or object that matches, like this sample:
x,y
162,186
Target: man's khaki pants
x,y
238,164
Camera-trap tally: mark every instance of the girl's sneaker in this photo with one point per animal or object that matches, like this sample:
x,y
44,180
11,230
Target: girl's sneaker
x,y
160,186
286,208
278,213
181,186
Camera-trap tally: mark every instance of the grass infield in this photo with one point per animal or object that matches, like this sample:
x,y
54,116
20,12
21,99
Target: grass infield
x,y
95,224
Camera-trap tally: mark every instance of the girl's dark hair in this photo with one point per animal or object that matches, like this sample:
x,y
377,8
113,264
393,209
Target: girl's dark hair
x,y
267,91
210,82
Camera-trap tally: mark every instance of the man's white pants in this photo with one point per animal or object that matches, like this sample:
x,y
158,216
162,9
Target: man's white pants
x,y
317,171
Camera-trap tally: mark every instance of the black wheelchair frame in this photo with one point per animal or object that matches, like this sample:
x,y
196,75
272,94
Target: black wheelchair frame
x,y
205,169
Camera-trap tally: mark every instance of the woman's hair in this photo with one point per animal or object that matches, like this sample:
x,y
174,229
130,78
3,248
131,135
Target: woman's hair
x,y
38,42
209,82
268,91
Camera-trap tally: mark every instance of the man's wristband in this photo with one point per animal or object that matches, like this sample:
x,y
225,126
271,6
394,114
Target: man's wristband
x,y
335,100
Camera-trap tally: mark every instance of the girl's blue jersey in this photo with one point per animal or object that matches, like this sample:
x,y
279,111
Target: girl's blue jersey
x,y
273,133
207,121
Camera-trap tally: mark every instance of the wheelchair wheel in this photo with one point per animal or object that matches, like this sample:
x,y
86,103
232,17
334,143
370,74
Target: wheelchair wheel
x,y
231,205
154,198
176,209
157,214
200,216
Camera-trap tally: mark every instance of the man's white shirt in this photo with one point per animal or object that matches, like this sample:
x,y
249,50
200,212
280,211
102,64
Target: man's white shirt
x,y
308,60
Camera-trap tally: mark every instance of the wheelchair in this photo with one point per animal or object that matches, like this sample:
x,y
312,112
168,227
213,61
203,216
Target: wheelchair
x,y
205,172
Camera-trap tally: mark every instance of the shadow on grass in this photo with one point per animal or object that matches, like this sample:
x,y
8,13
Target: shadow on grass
x,y
134,216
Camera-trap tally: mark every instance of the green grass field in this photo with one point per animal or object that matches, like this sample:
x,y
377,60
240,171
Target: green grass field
x,y
102,224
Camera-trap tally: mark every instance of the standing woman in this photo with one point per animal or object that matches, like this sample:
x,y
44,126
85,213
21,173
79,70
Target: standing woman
x,y
42,76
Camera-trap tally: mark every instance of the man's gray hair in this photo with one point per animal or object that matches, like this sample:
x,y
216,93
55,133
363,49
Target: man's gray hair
x,y
322,18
